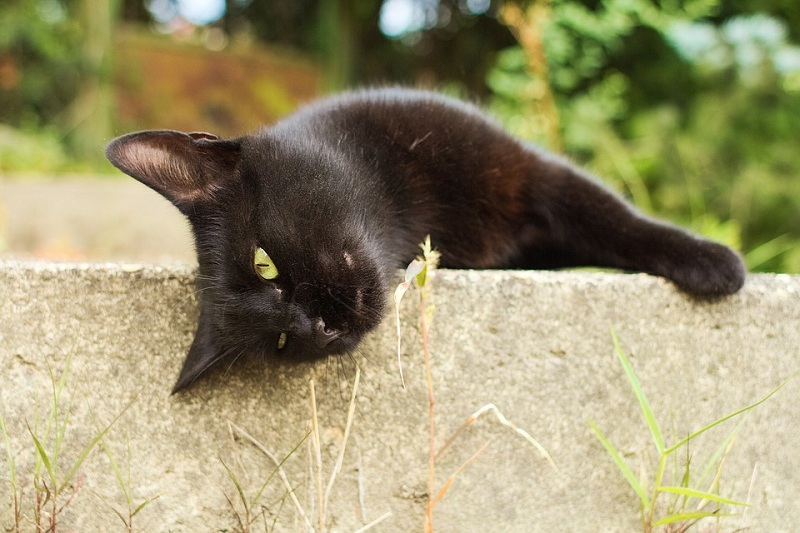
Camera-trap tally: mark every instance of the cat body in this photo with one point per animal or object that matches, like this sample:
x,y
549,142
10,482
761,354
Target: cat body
x,y
299,228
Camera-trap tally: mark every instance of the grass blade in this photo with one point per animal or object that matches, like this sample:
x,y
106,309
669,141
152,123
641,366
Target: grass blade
x,y
120,515
236,484
644,403
277,466
11,466
700,494
144,504
348,426
717,458
449,482
768,250
730,415
684,517
490,407
374,523
114,466
89,447
279,469
42,454
623,466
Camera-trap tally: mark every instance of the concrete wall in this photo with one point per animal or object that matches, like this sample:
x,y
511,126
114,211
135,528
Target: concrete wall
x,y
536,344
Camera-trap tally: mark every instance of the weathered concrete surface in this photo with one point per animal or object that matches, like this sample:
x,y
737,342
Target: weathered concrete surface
x,y
537,345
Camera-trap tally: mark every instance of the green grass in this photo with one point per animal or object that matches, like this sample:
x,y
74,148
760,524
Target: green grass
x,y
55,482
132,508
689,501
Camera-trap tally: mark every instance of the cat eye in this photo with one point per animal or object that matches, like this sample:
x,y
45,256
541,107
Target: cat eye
x,y
265,268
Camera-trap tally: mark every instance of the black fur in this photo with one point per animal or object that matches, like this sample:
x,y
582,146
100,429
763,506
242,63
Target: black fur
x,y
342,193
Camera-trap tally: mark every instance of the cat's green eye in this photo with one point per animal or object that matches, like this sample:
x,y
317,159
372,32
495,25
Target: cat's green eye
x,y
265,268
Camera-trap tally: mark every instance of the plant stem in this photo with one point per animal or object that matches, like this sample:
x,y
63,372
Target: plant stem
x,y
432,419
662,465
318,452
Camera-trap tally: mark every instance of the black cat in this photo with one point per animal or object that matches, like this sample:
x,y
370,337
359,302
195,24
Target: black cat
x,y
300,227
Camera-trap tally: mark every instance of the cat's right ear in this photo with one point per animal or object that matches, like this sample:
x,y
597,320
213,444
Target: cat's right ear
x,y
186,168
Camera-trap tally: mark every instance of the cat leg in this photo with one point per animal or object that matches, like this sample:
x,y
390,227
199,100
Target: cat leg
x,y
575,221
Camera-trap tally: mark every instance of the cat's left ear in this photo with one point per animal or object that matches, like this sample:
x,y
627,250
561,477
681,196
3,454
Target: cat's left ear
x,y
186,168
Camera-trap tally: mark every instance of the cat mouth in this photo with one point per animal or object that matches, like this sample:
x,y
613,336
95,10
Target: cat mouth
x,y
321,342
310,350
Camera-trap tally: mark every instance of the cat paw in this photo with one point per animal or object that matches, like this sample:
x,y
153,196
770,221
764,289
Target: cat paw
x,y
709,269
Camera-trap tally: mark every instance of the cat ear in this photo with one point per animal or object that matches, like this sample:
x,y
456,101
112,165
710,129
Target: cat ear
x,y
186,168
202,356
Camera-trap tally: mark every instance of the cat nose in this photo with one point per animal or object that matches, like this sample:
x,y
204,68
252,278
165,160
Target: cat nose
x,y
323,335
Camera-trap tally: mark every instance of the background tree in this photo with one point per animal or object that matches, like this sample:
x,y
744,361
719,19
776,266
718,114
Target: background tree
x,y
691,107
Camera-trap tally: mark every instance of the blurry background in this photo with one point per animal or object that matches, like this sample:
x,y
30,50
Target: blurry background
x,y
691,108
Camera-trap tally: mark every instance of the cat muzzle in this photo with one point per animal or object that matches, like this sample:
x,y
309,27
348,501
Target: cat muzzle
x,y
323,335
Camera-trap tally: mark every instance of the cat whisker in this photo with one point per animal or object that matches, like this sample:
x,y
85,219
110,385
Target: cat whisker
x,y
359,355
364,313
210,363
345,366
242,350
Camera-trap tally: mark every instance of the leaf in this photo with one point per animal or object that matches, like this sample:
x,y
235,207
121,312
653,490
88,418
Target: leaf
x,y
348,426
720,452
729,416
238,486
644,404
278,469
54,418
623,467
114,466
703,495
40,451
683,517
422,277
89,447
414,268
121,516
144,504
375,522
117,472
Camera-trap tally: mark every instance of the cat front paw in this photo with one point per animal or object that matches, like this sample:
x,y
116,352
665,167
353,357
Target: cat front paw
x,y
709,269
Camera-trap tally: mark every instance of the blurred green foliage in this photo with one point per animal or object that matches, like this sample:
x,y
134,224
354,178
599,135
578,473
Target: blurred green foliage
x,y
40,44
689,107
42,70
694,119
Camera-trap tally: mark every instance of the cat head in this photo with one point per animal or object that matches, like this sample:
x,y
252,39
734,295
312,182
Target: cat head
x,y
286,269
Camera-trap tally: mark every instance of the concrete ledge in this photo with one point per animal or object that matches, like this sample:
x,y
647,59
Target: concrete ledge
x,y
536,344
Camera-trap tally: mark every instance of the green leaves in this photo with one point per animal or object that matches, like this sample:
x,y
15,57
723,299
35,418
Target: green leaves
x,y
50,477
691,503
644,403
701,129
630,477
